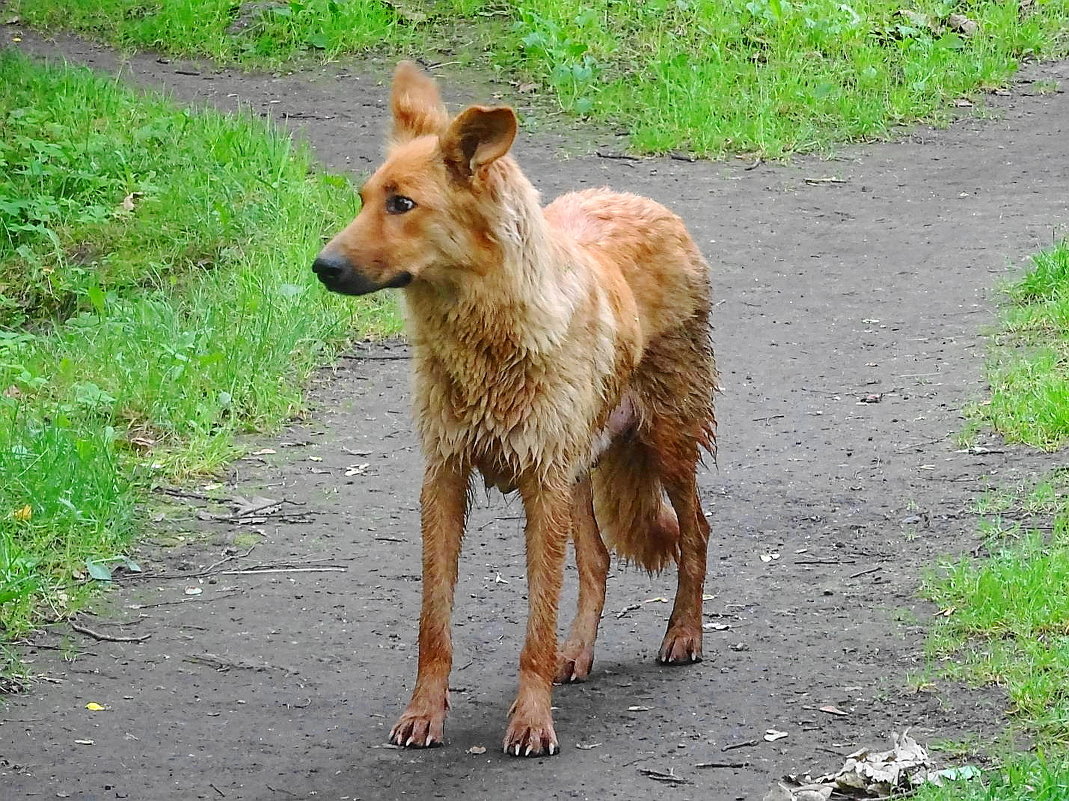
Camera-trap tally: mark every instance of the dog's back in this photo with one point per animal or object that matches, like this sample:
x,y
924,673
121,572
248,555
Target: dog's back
x,y
646,243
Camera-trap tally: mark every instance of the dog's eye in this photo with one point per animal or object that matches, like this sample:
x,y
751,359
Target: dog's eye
x,y
399,204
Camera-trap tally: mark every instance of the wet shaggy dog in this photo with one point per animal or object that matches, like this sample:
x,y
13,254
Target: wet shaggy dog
x,y
563,352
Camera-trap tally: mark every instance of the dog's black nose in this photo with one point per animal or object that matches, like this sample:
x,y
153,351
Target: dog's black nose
x,y
328,267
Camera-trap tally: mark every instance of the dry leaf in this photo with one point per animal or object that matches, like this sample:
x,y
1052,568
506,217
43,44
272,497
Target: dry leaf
x,y
477,749
93,706
527,88
23,514
638,709
769,557
834,710
715,626
130,201
959,23
772,735
263,452
194,590
85,742
357,469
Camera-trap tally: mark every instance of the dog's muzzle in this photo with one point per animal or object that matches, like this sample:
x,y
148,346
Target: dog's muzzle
x,y
338,275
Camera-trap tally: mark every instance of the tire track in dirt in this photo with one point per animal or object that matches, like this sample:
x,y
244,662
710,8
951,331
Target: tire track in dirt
x,y
875,284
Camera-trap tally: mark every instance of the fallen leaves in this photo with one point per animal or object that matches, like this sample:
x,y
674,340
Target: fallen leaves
x,y
774,734
869,774
23,514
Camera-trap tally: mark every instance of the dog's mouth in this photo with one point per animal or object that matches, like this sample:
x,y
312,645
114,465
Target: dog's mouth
x,y
357,284
343,279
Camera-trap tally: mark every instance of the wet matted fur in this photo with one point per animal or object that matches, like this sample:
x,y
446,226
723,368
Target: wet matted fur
x,y
563,352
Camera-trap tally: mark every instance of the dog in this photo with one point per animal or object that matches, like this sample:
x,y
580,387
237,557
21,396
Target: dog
x,y
563,352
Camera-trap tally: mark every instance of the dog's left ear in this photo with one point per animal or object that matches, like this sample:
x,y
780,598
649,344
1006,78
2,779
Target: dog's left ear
x,y
477,138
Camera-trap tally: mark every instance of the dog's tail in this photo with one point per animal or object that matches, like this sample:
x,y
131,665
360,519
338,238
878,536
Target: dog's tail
x,y
634,517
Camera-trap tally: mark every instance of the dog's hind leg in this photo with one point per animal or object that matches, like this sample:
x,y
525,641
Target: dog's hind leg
x,y
547,502
592,559
683,641
444,503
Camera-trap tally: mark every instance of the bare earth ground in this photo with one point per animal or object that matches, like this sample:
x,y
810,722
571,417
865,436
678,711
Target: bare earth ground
x,y
284,685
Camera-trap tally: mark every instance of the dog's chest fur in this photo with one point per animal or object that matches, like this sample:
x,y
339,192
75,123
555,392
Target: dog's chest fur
x,y
508,404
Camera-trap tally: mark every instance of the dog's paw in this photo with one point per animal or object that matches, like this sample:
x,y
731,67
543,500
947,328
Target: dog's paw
x,y
680,647
574,663
419,730
531,735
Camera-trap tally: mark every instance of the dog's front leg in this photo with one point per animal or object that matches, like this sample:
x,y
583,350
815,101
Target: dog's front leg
x,y
547,504
444,506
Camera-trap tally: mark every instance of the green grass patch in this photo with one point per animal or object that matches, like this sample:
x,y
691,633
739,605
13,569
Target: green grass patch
x,y
711,76
155,301
228,31
1009,623
1024,778
1029,369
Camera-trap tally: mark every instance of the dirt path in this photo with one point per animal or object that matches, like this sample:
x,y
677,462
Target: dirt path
x,y
877,283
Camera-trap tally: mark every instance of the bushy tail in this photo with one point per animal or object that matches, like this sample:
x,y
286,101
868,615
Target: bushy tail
x,y
632,512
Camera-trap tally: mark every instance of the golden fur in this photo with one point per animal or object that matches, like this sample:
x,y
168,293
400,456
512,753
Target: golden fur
x,y
562,352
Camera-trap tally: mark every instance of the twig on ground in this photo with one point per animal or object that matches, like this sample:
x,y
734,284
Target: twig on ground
x,y
603,154
722,765
181,493
195,599
96,635
376,357
905,448
661,776
251,570
866,572
733,746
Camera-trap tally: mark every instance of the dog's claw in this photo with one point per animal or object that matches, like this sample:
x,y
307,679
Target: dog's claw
x,y
531,736
419,730
574,663
680,648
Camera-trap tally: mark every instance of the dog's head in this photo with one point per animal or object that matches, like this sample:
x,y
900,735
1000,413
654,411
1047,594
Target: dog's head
x,y
424,210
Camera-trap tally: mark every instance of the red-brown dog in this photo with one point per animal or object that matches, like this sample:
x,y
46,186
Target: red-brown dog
x,y
563,352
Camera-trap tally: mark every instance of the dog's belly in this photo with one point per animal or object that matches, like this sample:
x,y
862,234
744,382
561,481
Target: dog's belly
x,y
498,473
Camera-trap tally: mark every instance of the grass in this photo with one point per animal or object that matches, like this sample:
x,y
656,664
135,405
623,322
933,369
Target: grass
x,y
224,30
1006,617
1029,373
155,301
769,77
1007,624
1021,779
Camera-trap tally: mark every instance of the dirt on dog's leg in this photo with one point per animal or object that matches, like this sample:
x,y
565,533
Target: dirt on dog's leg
x,y
683,640
444,502
592,559
547,504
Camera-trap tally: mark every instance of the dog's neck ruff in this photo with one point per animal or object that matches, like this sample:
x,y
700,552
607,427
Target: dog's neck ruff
x,y
500,375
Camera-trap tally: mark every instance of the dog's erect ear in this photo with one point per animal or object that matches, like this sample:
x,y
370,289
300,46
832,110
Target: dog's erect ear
x,y
416,105
478,137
